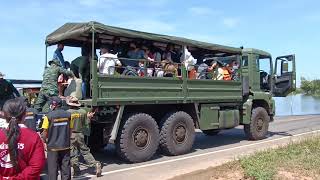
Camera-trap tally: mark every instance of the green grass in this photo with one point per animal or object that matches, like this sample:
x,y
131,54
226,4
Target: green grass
x,y
303,157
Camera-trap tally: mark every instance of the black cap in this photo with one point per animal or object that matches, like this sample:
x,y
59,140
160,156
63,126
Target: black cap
x,y
55,100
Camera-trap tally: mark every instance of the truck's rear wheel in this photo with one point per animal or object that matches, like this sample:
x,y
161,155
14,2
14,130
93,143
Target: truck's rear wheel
x,y
211,132
138,139
177,133
258,127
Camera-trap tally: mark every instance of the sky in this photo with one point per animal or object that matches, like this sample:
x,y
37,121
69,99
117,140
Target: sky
x,y
280,27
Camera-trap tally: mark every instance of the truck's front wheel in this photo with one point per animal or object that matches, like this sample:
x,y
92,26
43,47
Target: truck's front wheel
x,y
258,127
177,133
138,139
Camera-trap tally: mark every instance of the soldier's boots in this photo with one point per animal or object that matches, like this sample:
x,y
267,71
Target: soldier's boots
x,y
98,169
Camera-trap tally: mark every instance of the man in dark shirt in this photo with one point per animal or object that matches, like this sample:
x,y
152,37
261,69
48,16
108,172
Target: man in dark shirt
x,y
81,68
56,134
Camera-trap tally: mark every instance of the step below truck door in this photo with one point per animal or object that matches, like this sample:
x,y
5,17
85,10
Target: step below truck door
x,y
284,76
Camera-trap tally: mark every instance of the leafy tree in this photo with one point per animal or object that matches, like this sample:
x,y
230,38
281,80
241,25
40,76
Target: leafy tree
x,y
306,86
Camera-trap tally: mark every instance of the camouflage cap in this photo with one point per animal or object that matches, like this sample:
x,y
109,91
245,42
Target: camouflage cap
x,y
54,61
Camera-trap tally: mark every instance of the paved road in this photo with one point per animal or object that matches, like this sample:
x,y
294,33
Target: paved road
x,y
208,151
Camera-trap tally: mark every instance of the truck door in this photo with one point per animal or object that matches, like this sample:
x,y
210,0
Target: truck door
x,y
284,77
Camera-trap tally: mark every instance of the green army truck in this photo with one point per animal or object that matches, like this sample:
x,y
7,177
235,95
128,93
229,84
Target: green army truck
x,y
140,114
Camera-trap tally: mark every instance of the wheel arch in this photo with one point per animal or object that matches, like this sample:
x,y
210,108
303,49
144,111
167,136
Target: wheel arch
x,y
261,103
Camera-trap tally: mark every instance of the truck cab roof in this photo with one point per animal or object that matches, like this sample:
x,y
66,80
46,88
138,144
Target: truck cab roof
x,y
256,51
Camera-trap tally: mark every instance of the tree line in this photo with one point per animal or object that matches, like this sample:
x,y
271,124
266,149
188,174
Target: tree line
x,y
310,87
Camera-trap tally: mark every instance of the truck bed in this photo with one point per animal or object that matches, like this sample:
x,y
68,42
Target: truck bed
x,y
118,90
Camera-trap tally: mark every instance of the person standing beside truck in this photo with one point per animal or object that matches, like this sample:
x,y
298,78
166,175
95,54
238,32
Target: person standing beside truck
x,y
57,127
31,114
49,87
81,127
22,152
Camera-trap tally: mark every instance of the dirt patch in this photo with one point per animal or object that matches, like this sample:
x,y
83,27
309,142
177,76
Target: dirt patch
x,y
229,171
286,175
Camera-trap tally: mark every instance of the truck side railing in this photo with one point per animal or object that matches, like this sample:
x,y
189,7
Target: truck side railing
x,y
160,69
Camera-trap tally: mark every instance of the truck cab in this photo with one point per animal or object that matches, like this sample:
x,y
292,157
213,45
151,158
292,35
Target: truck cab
x,y
262,79
278,78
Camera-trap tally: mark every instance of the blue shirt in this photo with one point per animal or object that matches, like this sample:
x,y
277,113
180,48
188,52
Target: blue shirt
x,y
58,55
134,55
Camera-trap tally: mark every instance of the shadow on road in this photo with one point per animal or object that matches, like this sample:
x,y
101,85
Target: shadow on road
x,y
202,142
108,155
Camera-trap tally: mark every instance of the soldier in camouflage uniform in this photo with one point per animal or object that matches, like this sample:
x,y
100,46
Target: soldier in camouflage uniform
x,y
81,127
49,87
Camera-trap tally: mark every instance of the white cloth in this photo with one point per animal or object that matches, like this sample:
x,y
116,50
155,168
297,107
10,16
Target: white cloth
x,y
3,123
220,74
74,88
188,60
107,63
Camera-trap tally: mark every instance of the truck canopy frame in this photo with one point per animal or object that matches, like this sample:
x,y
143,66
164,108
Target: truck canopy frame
x,y
74,34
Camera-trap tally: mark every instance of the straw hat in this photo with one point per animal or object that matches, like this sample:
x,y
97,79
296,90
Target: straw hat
x,y
73,101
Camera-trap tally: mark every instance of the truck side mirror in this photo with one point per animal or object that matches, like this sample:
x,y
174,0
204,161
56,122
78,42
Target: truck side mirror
x,y
284,67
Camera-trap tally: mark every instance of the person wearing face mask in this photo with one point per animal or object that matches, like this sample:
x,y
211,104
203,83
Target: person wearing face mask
x,y
56,134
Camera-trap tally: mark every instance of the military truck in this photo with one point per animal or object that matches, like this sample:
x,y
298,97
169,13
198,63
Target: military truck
x,y
140,114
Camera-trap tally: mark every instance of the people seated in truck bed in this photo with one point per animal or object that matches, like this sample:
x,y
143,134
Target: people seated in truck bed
x,y
233,69
134,53
220,72
107,61
117,48
149,56
170,54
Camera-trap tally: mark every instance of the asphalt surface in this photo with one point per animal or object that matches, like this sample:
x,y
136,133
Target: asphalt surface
x,y
207,151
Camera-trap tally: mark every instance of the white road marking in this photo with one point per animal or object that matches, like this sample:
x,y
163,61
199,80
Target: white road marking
x,y
296,119
204,154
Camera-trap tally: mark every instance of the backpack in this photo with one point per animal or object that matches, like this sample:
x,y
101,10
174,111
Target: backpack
x,y
130,71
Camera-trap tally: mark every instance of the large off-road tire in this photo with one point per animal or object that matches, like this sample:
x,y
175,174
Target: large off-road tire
x,y
138,138
211,132
258,127
177,133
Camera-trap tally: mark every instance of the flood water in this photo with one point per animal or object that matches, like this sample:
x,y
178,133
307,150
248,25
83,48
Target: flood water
x,y
297,105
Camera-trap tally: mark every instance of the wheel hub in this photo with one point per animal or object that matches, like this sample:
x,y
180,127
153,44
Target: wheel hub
x,y
260,124
180,134
141,138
